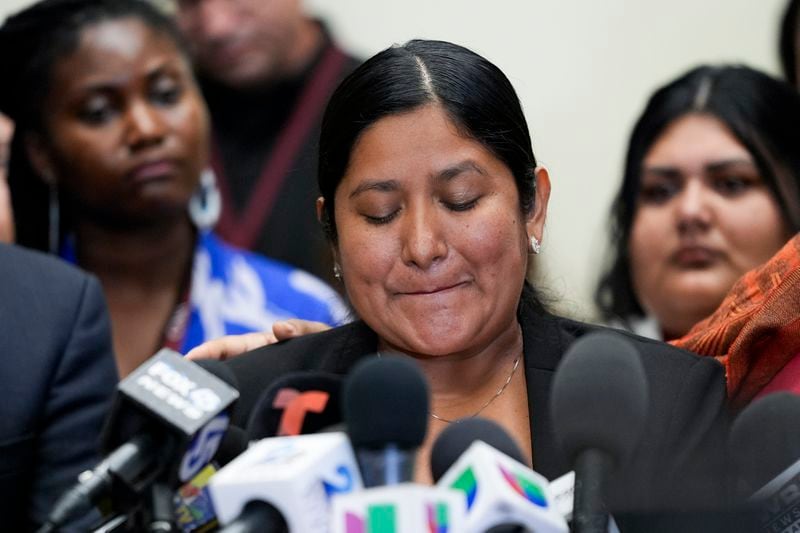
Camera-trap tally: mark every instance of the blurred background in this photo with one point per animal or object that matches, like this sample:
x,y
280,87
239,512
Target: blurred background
x,y
583,70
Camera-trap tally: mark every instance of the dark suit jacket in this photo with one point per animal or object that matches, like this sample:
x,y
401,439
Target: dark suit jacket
x,y
680,462
57,374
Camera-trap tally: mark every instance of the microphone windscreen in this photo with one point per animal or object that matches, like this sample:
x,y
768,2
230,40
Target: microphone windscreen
x,y
261,516
457,437
386,402
299,403
599,396
233,443
765,438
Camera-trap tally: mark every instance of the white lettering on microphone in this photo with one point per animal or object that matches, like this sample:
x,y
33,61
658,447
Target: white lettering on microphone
x,y
178,391
172,379
172,399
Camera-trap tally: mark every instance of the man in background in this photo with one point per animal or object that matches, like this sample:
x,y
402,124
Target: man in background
x,y
267,71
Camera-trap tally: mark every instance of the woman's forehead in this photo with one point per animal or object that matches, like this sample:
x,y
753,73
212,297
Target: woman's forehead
x,y
116,50
423,143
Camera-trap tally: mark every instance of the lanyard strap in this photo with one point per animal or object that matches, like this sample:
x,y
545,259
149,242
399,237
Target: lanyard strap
x,y
243,229
174,335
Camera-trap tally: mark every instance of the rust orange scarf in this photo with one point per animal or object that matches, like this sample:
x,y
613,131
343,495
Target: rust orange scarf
x,y
755,332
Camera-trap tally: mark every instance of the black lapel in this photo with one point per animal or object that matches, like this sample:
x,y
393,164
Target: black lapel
x,y
544,342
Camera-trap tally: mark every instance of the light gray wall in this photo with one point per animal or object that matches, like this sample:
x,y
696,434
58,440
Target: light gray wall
x,y
583,69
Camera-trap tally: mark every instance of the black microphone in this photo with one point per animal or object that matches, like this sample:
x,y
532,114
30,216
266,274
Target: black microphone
x,y
457,437
765,438
386,412
166,423
233,444
299,403
260,516
599,406
765,447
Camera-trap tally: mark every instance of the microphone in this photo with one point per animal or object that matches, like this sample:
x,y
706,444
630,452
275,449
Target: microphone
x,y
386,413
297,475
402,508
457,437
299,403
259,516
166,422
502,494
193,507
233,444
765,447
599,406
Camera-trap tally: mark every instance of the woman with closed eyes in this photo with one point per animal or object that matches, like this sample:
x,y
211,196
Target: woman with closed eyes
x,y
434,205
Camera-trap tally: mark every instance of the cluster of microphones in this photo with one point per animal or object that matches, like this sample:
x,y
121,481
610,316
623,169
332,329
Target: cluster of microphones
x,y
329,453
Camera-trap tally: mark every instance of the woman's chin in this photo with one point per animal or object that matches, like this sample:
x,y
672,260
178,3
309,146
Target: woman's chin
x,y
435,342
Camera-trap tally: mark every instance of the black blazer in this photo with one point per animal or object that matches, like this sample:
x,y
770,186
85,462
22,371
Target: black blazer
x,y
57,374
681,459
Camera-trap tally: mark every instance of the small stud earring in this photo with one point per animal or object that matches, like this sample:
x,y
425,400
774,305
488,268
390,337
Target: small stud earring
x,y
534,246
337,271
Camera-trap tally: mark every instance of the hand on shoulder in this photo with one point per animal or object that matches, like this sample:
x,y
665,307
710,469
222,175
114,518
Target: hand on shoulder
x,y
233,345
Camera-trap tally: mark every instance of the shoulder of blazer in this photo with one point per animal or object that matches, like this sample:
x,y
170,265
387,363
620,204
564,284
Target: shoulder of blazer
x,y
335,351
17,261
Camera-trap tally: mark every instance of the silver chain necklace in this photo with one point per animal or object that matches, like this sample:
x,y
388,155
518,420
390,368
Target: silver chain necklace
x,y
497,394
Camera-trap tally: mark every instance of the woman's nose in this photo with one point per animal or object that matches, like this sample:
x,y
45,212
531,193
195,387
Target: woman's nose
x,y
424,242
145,126
693,209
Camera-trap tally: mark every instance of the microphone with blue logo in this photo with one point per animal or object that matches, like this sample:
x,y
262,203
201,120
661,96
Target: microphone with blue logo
x,y
285,483
166,423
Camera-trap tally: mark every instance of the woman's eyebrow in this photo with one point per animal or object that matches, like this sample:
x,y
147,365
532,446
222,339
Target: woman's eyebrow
x,y
375,185
726,164
101,84
459,168
159,70
661,171
444,175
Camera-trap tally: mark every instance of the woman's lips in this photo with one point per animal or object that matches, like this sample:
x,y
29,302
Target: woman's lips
x,y
694,256
432,290
153,170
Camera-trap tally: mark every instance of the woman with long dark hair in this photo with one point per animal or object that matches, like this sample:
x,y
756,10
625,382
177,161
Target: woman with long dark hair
x,y
435,204
711,190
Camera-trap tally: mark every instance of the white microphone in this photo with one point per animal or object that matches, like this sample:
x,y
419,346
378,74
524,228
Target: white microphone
x,y
401,508
296,475
502,491
563,490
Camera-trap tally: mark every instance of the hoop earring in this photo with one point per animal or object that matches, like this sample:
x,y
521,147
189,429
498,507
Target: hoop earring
x,y
53,218
534,246
205,204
